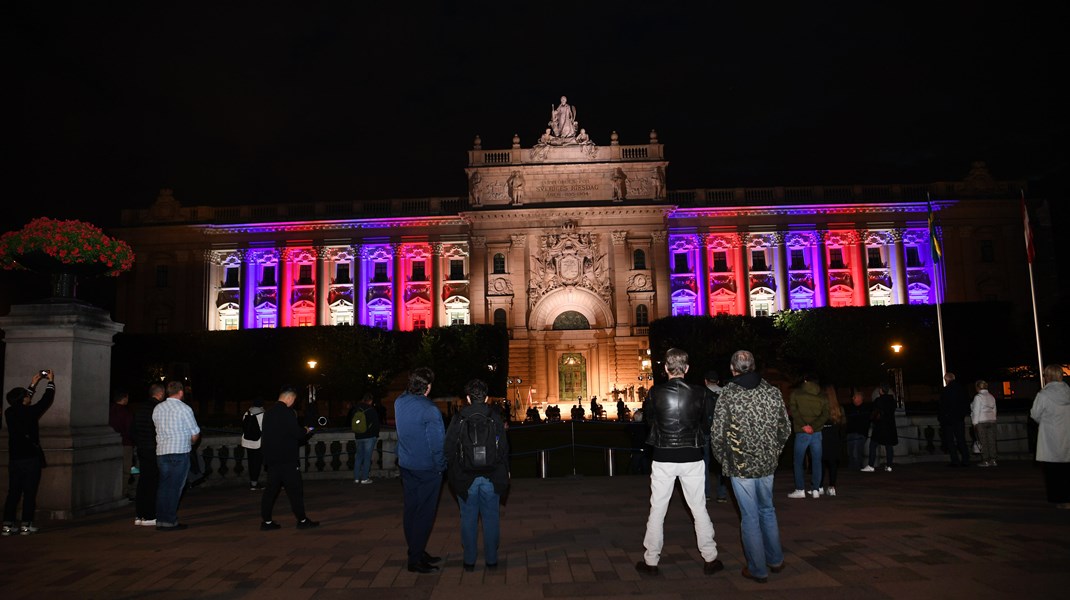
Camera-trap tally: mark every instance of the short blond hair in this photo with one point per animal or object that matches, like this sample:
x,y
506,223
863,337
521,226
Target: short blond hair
x,y
980,384
1053,373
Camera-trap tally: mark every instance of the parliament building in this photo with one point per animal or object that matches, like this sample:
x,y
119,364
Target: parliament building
x,y
574,247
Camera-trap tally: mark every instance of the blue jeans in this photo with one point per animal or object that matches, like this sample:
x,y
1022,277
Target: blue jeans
x,y
421,490
758,525
722,481
482,502
856,449
813,442
174,468
362,458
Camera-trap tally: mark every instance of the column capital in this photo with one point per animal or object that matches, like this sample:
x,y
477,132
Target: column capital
x,y
519,241
659,236
620,238
322,252
398,249
777,237
742,240
478,241
897,234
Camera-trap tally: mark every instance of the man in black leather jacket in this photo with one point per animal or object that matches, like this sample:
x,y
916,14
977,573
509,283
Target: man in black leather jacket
x,y
675,412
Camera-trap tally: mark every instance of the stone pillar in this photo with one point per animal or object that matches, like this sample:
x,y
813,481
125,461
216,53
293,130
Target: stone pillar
x,y
437,308
286,286
518,254
619,269
899,267
702,274
661,271
858,268
247,311
821,272
358,284
323,276
780,268
741,276
477,278
396,283
84,455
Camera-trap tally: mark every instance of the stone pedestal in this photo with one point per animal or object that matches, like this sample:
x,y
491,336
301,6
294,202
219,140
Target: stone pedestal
x,y
84,455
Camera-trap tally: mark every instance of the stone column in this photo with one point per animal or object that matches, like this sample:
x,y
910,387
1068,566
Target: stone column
x,y
899,267
821,272
247,311
437,308
396,284
323,276
357,279
780,268
619,268
858,268
661,271
702,274
84,455
518,254
741,275
286,286
477,279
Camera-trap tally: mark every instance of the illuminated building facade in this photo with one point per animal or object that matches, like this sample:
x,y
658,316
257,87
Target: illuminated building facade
x,y
574,248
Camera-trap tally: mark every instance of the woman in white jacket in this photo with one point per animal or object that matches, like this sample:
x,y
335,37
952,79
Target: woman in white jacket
x,y
1051,410
983,415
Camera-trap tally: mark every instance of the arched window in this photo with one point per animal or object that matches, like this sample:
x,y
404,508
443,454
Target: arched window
x,y
638,259
571,319
642,316
500,318
499,263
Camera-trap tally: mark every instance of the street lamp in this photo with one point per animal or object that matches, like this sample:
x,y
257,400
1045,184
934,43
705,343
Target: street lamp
x,y
313,412
896,374
514,381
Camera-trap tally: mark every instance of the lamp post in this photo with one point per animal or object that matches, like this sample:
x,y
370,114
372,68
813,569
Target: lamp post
x,y
895,373
515,382
312,412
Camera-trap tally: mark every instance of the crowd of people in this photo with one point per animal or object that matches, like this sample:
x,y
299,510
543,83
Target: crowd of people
x,y
707,439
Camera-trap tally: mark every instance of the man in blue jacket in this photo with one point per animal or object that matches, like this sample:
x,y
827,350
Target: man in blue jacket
x,y
421,435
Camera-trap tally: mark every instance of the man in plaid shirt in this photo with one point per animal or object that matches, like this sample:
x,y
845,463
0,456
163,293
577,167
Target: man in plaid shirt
x,y
176,432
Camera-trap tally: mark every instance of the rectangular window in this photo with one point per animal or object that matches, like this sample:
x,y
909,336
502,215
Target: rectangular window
x,y
419,322
873,258
456,269
988,251
341,273
161,276
798,262
761,309
679,262
304,275
231,277
269,276
305,321
457,320
720,262
381,321
267,322
380,273
757,258
836,258
418,273
913,258
230,323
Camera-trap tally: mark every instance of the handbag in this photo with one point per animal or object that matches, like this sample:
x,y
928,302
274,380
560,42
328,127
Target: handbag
x,y
976,447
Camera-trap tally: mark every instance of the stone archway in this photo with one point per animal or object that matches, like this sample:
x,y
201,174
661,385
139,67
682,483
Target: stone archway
x,y
576,299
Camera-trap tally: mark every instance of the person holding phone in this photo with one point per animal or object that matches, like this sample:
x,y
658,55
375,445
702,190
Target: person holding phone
x,y
281,440
24,451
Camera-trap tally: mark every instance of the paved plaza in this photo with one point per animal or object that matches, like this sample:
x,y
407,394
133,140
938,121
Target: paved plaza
x,y
921,531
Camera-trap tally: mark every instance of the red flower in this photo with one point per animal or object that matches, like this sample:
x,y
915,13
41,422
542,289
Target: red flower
x,y
68,242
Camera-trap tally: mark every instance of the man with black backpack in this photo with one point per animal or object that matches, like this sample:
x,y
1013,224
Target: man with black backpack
x,y
478,455
364,422
252,427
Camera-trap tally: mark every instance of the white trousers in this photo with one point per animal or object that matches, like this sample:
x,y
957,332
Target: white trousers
x,y
663,476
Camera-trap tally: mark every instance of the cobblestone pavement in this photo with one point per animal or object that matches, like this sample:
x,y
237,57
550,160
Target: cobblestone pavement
x,y
921,531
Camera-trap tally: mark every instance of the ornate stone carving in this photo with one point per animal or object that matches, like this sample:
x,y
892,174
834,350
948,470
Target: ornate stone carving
x,y
640,282
519,241
659,237
478,241
777,238
475,189
500,286
897,234
569,259
620,238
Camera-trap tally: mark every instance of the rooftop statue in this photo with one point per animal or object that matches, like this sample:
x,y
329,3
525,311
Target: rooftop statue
x,y
563,119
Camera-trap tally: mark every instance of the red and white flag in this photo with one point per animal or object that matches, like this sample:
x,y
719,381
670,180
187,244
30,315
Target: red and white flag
x,y
1030,251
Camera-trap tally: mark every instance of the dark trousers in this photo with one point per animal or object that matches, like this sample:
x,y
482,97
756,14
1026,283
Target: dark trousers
x,y
24,475
421,490
1056,480
955,438
148,480
284,476
831,468
256,461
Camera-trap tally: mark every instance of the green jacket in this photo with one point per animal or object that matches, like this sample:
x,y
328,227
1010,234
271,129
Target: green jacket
x,y
808,406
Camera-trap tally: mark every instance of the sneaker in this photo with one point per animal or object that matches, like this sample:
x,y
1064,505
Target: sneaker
x,y
27,529
797,494
253,487
888,468
148,523
991,463
9,528
831,491
366,481
269,526
815,494
984,463
307,523
357,480
137,521
868,469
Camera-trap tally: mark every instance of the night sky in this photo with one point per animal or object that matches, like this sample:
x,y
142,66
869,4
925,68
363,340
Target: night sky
x,y
235,103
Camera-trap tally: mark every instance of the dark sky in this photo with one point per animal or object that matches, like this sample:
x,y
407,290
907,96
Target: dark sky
x,y
235,103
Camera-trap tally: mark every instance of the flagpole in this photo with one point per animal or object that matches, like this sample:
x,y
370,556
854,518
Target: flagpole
x,y
1032,287
937,262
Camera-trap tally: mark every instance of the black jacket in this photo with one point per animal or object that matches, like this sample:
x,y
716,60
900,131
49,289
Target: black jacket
x,y
953,405
24,438
675,411
144,429
459,479
281,437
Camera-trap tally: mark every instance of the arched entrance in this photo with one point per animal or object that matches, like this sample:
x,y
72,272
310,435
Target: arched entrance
x,y
572,377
